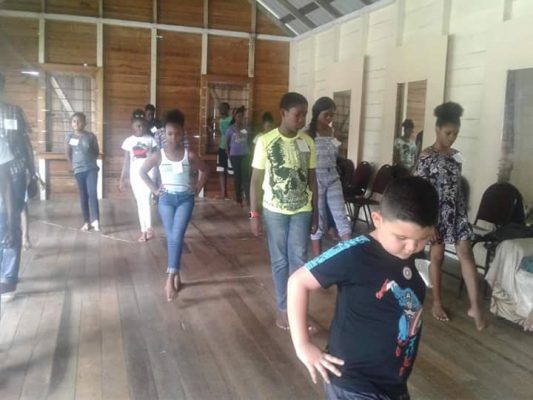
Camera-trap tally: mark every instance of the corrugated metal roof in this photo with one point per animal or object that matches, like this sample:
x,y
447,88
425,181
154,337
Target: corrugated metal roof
x,y
301,16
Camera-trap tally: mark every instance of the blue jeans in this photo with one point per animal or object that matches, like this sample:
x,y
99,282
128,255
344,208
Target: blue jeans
x,y
10,256
175,210
288,237
87,182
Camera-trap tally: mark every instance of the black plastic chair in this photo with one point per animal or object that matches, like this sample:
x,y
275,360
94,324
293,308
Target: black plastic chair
x,y
383,177
346,169
355,188
501,204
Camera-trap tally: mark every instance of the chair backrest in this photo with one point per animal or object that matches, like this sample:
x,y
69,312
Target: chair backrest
x,y
361,176
346,170
382,179
500,204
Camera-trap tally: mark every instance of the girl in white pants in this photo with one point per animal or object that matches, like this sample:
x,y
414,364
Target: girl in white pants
x,y
137,148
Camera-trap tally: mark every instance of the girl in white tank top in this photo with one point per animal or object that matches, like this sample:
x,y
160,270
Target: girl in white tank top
x,y
176,193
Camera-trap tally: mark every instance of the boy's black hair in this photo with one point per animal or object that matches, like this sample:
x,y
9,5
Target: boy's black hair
x,y
267,117
149,107
138,114
448,113
412,199
174,116
292,99
80,116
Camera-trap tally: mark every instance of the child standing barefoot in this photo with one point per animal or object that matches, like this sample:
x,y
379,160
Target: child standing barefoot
x,y
137,148
176,193
441,165
81,149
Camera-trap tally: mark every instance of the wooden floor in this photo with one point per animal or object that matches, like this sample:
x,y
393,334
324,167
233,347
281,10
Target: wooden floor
x,y
90,320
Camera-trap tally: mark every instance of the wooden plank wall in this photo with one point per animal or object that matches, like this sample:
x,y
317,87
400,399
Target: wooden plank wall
x,y
271,78
183,12
178,79
67,43
137,10
126,87
227,56
73,7
126,63
233,15
18,52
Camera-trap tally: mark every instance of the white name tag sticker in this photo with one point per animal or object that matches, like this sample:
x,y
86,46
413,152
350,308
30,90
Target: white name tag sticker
x,y
244,131
10,124
335,142
74,141
177,167
302,145
153,130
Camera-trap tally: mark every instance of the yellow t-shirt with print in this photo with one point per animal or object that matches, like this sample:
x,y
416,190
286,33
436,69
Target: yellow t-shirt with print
x,y
286,162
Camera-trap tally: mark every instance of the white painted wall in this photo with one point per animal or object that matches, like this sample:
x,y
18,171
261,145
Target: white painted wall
x,y
469,27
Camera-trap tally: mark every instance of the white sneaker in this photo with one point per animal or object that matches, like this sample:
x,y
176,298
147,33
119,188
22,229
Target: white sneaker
x,y
96,225
85,227
7,297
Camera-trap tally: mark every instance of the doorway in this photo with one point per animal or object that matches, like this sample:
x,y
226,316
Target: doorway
x,y
516,162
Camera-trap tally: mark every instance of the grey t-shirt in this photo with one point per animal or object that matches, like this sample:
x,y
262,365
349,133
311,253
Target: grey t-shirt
x,y
84,151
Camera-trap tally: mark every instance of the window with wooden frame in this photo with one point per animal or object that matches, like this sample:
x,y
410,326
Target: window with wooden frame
x,y
214,91
64,90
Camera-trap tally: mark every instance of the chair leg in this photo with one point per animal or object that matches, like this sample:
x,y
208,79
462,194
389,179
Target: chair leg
x,y
368,217
461,287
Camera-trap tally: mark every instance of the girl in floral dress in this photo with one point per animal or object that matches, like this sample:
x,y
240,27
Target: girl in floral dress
x,y
441,165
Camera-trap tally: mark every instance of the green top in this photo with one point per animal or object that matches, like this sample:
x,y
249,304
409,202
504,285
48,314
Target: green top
x,y
223,124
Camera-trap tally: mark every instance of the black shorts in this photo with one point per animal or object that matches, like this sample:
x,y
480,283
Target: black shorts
x,y
223,162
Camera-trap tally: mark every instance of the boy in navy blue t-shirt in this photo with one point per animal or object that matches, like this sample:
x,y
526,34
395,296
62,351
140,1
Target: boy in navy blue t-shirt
x,y
375,332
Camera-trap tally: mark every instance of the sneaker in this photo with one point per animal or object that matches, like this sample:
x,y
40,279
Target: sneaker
x,y
85,227
96,225
7,297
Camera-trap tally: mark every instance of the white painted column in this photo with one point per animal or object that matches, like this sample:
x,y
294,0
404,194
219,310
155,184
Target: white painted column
x,y
100,64
251,42
100,183
153,67
41,59
42,174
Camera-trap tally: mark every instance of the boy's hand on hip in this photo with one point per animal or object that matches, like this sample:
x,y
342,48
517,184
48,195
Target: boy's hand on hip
x,y
315,360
